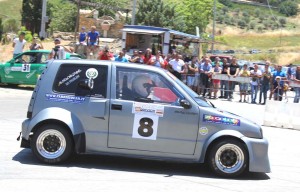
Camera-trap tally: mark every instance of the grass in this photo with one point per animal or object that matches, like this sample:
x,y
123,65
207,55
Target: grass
x,y
263,41
11,9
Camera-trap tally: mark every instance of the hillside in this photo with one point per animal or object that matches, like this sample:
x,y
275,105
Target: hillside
x,y
278,42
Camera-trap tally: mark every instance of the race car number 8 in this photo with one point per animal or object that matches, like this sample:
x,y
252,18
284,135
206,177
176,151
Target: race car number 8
x,y
145,129
145,126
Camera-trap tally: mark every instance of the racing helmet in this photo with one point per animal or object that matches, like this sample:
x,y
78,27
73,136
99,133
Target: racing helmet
x,y
141,86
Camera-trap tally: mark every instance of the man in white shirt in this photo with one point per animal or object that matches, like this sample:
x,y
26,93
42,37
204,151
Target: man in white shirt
x,y
176,66
255,75
58,52
19,44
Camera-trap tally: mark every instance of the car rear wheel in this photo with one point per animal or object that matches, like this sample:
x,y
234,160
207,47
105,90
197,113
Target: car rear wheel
x,y
228,158
52,144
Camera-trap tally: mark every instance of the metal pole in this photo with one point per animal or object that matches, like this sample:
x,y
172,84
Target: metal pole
x,y
214,27
133,12
77,19
43,22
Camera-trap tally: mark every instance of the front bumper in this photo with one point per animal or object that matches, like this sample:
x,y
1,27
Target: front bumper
x,y
258,154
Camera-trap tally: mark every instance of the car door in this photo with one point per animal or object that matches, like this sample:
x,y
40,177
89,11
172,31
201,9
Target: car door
x,y
145,115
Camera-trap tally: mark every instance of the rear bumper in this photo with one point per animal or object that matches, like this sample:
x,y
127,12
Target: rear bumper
x,y
258,154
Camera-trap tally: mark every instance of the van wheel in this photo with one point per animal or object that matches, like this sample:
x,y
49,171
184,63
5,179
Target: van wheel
x,y
52,144
228,158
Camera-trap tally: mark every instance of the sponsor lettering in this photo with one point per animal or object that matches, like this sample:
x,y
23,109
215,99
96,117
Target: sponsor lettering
x,y
221,120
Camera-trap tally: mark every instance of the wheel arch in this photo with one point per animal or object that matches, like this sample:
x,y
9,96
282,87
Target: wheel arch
x,y
217,137
62,117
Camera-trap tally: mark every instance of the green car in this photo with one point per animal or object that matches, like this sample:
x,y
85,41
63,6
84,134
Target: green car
x,y
26,68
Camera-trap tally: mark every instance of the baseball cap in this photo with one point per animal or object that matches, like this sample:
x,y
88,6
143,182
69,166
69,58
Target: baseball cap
x,y
57,39
82,27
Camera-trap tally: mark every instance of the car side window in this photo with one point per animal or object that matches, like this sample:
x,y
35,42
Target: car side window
x,y
69,77
142,85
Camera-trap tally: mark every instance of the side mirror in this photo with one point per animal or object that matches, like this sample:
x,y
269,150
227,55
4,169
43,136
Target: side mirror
x,y
185,103
87,84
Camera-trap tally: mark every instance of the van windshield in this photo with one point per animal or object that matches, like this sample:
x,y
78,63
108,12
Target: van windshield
x,y
200,100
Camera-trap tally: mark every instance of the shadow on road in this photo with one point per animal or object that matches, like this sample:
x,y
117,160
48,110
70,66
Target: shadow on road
x,y
168,169
19,87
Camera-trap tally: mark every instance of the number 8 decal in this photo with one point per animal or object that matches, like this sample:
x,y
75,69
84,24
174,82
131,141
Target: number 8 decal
x,y
145,126
145,129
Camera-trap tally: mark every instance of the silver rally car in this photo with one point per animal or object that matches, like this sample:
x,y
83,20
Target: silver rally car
x,y
136,111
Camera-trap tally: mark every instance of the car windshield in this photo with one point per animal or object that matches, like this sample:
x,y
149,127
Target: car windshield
x,y
200,100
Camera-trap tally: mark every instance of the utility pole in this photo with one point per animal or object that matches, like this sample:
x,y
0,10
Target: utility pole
x,y
133,12
44,20
214,27
77,19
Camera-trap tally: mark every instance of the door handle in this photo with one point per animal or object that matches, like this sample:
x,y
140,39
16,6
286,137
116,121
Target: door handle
x,y
116,107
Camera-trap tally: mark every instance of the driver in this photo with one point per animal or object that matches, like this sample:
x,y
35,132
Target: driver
x,y
141,86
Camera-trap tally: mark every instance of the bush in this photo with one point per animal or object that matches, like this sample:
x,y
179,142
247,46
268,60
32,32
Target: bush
x,y
227,20
225,9
252,24
282,21
28,35
226,2
267,24
233,21
242,23
257,12
245,14
259,28
246,19
10,25
220,18
289,8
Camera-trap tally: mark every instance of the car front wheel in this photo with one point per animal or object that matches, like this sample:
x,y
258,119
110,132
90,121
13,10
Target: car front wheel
x,y
228,158
52,144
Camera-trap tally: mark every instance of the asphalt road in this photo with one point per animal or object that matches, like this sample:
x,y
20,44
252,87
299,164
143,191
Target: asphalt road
x,y
20,171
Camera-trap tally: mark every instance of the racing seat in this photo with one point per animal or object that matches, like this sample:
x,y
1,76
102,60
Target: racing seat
x,y
126,92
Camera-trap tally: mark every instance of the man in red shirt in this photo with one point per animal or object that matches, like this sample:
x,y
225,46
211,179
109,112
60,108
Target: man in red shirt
x,y
105,54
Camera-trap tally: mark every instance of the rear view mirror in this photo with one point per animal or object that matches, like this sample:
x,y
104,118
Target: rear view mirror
x,y
185,103
87,84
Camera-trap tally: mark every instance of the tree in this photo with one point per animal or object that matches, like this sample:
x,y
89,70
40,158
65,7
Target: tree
x,y
62,15
156,13
289,8
196,14
31,14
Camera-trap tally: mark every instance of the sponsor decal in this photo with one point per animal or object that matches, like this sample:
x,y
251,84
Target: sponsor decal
x,y
64,98
16,69
7,70
221,120
203,130
91,73
146,108
8,76
30,74
70,77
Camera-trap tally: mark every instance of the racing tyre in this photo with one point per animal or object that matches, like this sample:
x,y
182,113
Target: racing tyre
x,y
228,158
52,144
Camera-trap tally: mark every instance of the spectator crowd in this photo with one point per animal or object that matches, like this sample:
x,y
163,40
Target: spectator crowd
x,y
198,74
